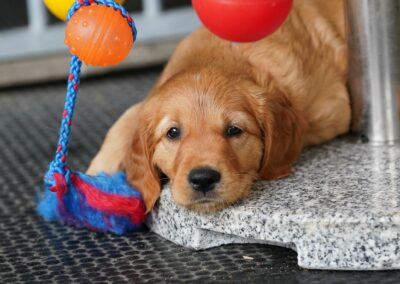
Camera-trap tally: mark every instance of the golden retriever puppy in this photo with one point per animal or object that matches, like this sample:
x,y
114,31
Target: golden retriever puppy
x,y
223,115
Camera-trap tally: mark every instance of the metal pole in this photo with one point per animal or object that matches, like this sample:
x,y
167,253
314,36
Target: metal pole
x,y
37,15
374,68
151,8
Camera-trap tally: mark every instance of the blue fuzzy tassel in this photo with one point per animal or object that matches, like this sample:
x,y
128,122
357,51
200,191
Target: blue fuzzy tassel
x,y
70,204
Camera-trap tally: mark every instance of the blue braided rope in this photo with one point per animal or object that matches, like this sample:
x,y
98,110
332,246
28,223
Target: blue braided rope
x,y
59,164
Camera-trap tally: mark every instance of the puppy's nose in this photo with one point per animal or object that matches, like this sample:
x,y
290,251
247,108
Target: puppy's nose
x,y
204,179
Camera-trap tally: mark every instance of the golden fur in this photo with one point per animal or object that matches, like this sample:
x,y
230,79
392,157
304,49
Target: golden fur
x,y
284,92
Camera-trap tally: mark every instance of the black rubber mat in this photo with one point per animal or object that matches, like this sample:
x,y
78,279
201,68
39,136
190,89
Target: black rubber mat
x,y
33,251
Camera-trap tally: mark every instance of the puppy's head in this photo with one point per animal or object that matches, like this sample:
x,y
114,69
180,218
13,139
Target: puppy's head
x,y
212,135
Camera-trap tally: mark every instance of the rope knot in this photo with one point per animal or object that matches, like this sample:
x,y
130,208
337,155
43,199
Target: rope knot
x,y
60,184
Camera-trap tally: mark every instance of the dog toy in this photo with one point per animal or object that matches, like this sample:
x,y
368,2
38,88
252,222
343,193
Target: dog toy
x,y
59,8
242,20
96,32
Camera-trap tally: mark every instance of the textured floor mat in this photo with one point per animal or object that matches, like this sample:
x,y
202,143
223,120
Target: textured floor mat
x,y
32,250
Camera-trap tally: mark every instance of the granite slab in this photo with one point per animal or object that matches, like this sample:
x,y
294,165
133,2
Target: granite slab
x,y
339,210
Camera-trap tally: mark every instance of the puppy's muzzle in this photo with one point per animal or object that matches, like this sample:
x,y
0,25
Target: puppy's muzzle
x,y
203,179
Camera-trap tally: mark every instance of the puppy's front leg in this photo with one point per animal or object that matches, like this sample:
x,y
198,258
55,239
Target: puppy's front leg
x,y
118,140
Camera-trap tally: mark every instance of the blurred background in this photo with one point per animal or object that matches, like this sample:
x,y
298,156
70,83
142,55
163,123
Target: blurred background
x,y
32,46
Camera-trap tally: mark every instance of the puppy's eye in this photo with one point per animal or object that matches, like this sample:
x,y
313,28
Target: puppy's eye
x,y
232,131
174,133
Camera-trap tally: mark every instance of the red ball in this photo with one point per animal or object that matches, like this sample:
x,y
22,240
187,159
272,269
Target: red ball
x,y
242,20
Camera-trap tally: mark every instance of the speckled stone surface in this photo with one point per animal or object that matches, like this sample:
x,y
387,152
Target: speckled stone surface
x,y
339,210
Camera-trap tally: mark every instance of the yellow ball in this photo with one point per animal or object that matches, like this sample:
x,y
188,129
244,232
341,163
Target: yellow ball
x,y
59,8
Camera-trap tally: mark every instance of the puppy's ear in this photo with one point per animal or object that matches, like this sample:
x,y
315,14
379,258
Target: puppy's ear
x,y
142,173
284,128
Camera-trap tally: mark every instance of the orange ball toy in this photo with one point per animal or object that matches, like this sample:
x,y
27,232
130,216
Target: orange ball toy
x,y
99,35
